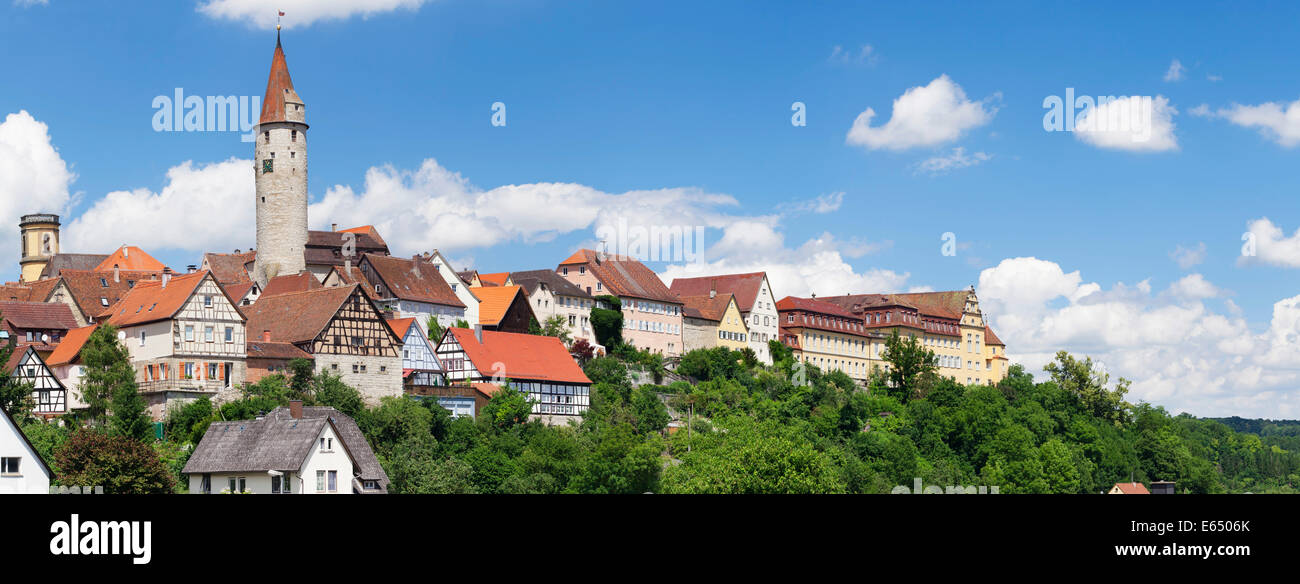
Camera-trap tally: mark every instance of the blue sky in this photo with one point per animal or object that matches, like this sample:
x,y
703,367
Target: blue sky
x,y
681,113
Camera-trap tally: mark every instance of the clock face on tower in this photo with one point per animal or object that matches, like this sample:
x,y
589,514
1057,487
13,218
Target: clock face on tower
x,y
266,165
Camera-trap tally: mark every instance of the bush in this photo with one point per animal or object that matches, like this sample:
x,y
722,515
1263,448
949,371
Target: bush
x,y
120,464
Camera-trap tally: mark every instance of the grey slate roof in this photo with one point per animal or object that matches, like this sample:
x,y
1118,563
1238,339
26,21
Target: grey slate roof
x,y
71,261
530,279
280,442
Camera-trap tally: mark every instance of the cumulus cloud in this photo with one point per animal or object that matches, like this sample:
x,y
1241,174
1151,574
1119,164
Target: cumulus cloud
x,y
1266,243
1186,257
260,14
1276,121
1176,349
202,207
923,116
953,161
1134,123
1175,71
33,176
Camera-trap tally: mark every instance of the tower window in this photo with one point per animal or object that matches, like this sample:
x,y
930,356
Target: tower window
x,y
267,165
266,137
293,135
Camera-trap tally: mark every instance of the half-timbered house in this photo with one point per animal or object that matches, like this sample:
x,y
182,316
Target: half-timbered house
x,y
185,336
343,330
412,288
538,366
49,395
420,366
65,363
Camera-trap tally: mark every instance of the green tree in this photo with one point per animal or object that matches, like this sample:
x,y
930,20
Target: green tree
x,y
607,323
129,416
533,327
15,395
302,371
1088,383
106,367
507,408
330,390
909,362
435,329
119,464
557,326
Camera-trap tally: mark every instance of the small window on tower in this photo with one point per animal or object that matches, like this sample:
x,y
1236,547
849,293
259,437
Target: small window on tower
x,y
293,135
266,165
266,136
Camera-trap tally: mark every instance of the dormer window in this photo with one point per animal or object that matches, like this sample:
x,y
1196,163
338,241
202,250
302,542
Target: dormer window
x,y
103,301
103,283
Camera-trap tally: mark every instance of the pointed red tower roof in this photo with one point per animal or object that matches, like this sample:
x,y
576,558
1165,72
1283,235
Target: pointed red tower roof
x,y
278,87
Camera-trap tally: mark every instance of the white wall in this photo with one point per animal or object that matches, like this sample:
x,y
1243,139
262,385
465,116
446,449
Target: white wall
x,y
31,477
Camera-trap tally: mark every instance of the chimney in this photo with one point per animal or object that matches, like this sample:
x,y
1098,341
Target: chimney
x,y
190,269
334,226
236,252
166,276
415,268
295,409
478,333
117,275
266,336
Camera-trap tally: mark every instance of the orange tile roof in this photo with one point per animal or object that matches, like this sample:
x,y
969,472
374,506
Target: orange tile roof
x,y
495,279
744,286
367,230
130,257
150,301
524,357
88,288
487,389
16,293
401,325
495,302
70,347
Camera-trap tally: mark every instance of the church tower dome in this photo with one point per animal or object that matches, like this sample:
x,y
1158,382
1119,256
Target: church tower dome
x,y
280,171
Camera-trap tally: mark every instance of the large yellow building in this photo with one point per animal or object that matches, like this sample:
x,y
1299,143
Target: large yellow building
x,y
833,339
949,323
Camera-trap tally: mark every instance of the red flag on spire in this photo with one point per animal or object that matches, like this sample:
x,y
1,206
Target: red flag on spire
x,y
281,13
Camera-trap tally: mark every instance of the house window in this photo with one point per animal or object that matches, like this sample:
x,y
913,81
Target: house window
x,y
9,465
212,370
326,444
189,333
141,338
230,334
355,369
205,484
320,481
334,481
207,334
565,271
582,269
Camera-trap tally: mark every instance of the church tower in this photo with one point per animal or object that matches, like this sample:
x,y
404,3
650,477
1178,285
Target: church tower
x,y
280,168
40,234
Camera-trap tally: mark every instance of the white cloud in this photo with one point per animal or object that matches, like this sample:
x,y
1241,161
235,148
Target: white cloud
x,y
203,207
1134,123
1186,257
953,161
30,3
864,56
822,204
1271,244
33,176
1214,78
1276,121
1175,72
261,14
1177,350
923,116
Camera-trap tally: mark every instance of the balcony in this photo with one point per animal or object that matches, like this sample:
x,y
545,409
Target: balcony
x,y
197,385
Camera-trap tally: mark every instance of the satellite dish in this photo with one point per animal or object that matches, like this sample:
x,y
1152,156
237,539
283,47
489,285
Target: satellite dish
x,y
121,335
45,338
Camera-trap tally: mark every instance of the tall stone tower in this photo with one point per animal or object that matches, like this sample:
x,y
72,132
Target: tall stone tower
x,y
40,234
280,168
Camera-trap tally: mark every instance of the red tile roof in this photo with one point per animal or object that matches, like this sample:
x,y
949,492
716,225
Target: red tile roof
x,y
341,274
274,350
487,389
88,288
524,357
237,292
949,304
1132,488
744,286
70,347
230,268
412,280
15,293
990,338
300,282
295,317
495,302
368,230
38,315
706,308
623,276
814,305
130,257
278,86
150,301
